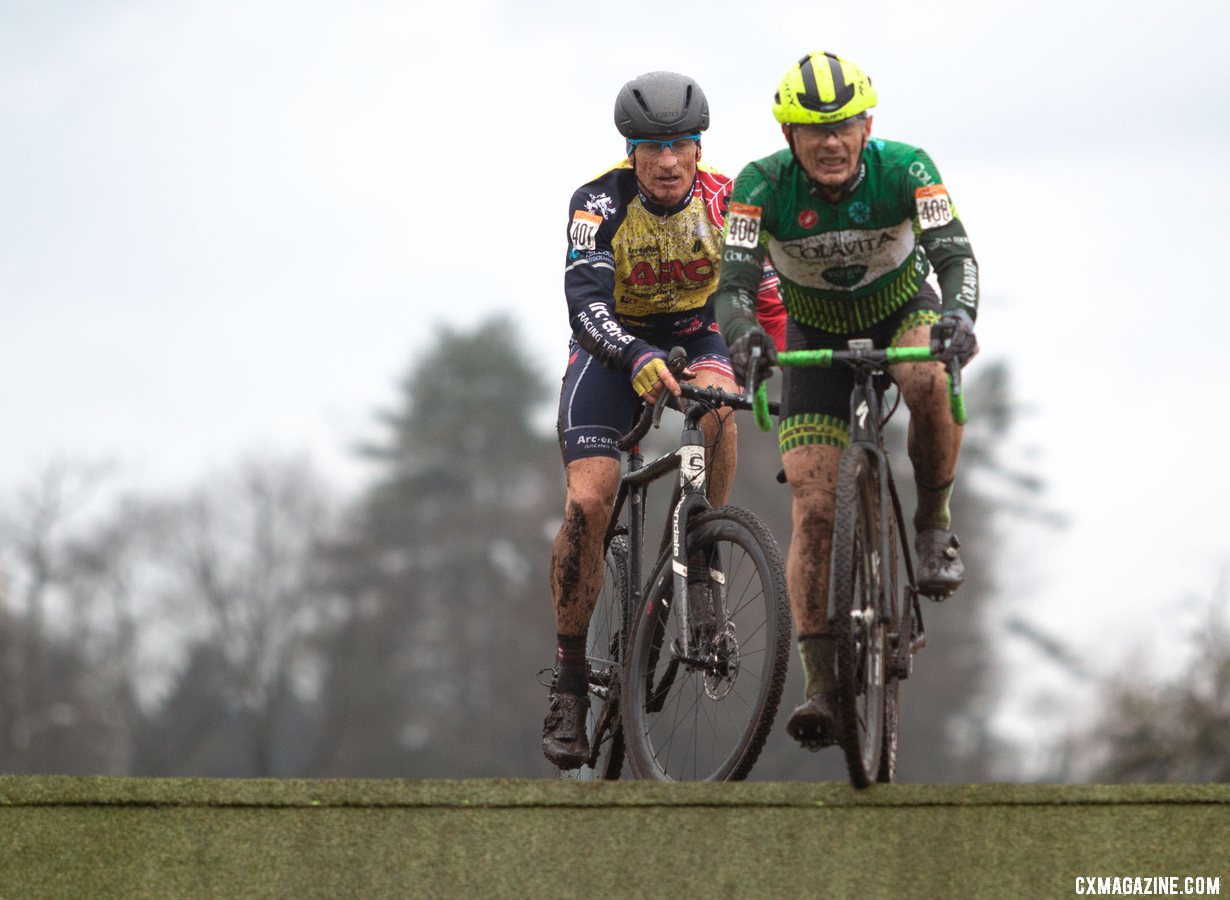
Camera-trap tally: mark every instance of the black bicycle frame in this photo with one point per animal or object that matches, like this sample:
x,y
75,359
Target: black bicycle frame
x,y
688,499
865,408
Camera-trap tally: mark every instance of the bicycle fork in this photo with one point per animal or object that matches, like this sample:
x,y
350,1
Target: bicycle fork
x,y
909,637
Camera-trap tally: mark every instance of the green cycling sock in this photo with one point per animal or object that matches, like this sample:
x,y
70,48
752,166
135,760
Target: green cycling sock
x,y
933,509
818,654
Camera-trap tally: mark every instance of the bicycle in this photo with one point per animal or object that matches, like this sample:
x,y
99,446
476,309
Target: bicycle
x,y
874,615
686,691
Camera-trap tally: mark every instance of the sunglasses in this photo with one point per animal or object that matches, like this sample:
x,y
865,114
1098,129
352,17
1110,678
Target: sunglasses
x,y
844,127
654,147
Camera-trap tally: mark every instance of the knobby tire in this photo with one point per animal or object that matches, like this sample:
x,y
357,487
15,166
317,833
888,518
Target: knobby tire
x,y
694,721
605,650
862,635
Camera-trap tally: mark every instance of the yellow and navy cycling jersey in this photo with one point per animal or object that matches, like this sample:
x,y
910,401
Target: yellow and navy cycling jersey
x,y
635,267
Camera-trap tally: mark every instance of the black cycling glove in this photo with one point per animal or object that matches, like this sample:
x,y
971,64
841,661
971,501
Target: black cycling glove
x,y
953,336
741,356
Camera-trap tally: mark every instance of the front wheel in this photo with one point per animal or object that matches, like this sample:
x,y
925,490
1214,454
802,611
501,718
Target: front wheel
x,y
705,716
864,625
605,649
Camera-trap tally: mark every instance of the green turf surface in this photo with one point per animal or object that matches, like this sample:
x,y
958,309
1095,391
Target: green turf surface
x,y
116,837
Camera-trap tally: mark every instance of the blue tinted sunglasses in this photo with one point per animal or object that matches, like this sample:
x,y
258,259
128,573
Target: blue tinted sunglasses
x,y
655,147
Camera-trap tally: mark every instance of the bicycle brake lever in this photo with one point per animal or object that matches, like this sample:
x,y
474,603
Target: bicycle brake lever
x,y
677,361
658,408
954,372
755,350
753,369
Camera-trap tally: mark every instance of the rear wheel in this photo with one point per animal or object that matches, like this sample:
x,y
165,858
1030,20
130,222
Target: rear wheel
x,y
888,754
605,650
862,633
705,716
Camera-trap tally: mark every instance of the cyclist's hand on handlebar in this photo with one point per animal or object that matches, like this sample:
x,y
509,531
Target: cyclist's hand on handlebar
x,y
650,374
953,337
741,356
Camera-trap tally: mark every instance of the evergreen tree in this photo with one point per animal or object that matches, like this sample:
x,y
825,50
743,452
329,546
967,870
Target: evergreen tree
x,y
448,611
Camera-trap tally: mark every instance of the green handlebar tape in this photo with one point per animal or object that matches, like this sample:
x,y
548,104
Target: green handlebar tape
x,y
820,358
760,406
908,354
824,359
956,403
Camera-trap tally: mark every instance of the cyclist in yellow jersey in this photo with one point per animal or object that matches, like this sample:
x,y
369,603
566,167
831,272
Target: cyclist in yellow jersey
x,y
644,253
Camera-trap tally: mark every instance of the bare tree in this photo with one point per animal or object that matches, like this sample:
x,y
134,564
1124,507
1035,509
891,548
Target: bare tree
x,y
173,634
1169,729
241,556
62,707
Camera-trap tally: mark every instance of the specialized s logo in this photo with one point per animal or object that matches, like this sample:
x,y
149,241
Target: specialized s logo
x,y
644,274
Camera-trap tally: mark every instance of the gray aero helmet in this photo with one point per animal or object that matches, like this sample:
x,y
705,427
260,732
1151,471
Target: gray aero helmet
x,y
661,103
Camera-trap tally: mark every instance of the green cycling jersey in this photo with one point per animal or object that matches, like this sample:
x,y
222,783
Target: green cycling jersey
x,y
844,265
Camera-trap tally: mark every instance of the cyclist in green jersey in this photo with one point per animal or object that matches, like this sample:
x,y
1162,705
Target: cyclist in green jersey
x,y
853,225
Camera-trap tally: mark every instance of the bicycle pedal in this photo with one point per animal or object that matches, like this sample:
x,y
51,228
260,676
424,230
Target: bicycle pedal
x,y
815,741
810,735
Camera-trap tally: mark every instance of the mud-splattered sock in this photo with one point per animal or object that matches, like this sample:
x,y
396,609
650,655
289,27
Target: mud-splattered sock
x,y
571,674
819,656
932,509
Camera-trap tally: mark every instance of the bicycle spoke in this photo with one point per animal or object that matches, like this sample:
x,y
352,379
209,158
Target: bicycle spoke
x,y
709,719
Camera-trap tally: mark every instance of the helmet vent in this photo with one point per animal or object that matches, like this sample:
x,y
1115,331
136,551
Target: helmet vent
x,y
658,103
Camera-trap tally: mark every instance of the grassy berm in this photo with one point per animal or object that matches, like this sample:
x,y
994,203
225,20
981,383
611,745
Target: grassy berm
x,y
198,838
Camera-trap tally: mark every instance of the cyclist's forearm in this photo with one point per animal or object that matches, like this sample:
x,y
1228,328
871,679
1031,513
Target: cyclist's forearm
x,y
589,287
598,331
744,250
955,268
734,303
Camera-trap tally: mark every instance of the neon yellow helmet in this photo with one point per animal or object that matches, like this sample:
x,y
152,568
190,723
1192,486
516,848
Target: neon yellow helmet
x,y
822,88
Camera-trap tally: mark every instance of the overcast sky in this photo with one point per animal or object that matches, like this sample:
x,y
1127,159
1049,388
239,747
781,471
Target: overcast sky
x,y
228,227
